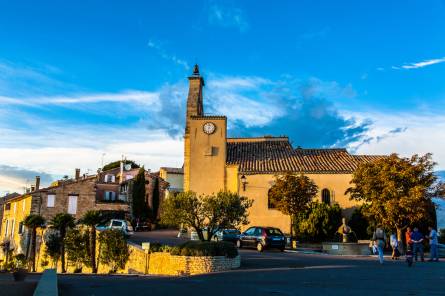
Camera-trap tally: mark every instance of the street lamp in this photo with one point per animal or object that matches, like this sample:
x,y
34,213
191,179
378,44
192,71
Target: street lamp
x,y
244,182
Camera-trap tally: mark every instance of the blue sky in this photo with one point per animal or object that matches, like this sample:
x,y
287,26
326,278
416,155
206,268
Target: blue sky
x,y
87,80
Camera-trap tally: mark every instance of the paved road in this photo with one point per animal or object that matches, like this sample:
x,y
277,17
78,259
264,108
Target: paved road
x,y
276,273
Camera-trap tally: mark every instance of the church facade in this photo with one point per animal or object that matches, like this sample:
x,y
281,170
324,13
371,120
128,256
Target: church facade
x,y
248,166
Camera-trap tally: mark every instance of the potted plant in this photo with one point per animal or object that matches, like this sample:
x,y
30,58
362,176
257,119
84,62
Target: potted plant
x,y
19,271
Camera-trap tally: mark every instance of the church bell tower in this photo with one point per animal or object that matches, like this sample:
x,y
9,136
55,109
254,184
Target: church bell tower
x,y
204,143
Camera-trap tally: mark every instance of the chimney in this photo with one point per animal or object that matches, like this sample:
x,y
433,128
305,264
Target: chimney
x,y
77,176
37,182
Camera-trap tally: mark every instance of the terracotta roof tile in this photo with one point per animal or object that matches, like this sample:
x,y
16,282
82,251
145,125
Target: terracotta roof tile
x,y
275,155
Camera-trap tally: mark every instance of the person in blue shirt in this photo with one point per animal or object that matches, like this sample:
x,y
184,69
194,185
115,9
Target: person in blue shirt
x,y
417,239
433,244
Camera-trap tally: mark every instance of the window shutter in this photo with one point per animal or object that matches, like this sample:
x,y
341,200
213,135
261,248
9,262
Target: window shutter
x,y
51,198
72,204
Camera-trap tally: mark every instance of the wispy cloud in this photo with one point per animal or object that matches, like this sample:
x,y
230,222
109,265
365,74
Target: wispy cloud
x,y
227,17
421,64
155,45
130,96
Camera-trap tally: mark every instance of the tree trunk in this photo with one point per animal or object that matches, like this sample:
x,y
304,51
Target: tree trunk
x,y
200,234
93,249
33,249
62,249
291,227
400,240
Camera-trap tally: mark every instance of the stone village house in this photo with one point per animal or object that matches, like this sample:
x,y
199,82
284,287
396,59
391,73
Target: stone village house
x,y
108,191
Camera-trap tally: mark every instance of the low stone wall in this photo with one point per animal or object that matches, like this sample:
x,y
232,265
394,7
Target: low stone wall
x,y
166,264
346,248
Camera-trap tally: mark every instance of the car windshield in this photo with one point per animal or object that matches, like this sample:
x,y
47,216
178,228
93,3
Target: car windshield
x,y
231,231
116,223
273,231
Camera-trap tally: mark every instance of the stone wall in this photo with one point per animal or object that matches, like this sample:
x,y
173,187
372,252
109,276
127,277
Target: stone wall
x,y
166,264
141,262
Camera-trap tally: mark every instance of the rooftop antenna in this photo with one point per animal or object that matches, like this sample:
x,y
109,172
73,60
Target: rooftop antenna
x,y
103,154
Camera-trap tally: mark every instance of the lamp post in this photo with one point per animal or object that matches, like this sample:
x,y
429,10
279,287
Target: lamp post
x,y
244,182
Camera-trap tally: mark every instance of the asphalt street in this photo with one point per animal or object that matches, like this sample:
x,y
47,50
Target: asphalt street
x,y
276,273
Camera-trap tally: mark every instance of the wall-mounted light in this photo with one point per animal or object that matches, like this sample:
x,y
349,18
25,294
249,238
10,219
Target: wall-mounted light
x,y
244,182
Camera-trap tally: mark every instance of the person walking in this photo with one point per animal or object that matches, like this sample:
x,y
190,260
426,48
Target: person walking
x,y
379,238
409,242
394,245
434,256
417,239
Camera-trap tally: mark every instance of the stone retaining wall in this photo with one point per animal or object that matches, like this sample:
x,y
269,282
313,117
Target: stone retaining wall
x,y
166,264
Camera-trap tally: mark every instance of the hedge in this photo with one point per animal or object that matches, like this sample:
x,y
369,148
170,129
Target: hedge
x,y
198,248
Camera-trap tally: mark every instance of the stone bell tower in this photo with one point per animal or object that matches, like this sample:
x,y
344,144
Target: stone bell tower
x,y
194,99
194,108
204,143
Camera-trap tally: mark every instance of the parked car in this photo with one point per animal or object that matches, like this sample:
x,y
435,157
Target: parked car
x,y
228,235
122,225
262,238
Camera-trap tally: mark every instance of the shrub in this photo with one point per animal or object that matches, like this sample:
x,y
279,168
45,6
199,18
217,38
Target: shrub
x,y
199,248
76,247
319,222
113,249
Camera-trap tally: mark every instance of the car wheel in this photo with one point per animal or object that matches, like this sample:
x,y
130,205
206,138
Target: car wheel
x,y
238,244
260,247
282,249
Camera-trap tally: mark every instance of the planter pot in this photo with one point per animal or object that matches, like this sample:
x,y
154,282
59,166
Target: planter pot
x,y
19,275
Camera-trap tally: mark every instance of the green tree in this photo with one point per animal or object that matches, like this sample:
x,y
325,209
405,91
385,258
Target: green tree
x,y
113,249
77,242
32,222
223,210
53,245
62,222
291,194
396,191
360,224
319,222
117,163
91,219
139,204
155,202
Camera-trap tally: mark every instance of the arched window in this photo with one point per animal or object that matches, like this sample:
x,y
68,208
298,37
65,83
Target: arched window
x,y
326,196
270,204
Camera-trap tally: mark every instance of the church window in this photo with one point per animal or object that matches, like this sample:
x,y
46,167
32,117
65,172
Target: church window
x,y
326,196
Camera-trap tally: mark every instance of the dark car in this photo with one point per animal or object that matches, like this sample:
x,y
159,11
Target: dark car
x,y
262,238
228,235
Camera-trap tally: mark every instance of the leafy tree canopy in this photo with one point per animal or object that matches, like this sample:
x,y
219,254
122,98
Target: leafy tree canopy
x,y
319,222
117,163
291,194
221,210
396,191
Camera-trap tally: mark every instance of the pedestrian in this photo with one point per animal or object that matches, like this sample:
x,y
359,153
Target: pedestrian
x,y
434,256
394,245
417,239
379,239
409,242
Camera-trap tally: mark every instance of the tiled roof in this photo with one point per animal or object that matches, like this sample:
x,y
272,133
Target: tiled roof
x,y
275,155
173,170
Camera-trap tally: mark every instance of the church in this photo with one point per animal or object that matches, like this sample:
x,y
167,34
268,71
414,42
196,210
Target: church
x,y
248,166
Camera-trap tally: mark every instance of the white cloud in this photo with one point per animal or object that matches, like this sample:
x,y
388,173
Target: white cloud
x,y
227,17
167,56
130,96
421,64
403,133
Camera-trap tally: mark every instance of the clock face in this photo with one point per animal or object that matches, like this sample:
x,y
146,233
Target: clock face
x,y
209,128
